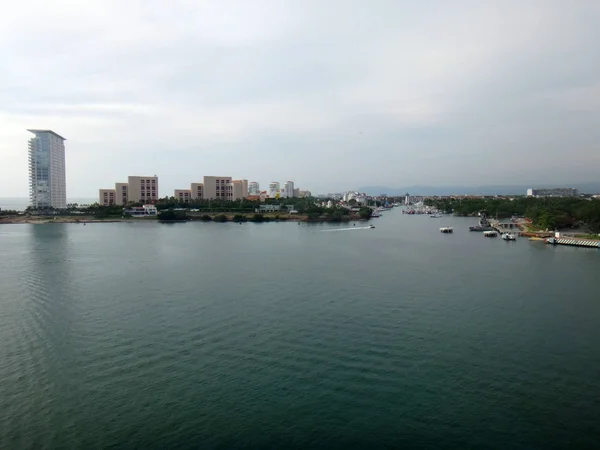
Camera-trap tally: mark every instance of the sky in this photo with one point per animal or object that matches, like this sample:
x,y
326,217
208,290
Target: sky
x,y
332,94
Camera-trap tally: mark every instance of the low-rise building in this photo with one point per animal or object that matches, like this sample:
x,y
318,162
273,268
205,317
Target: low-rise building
x,y
143,189
142,211
240,189
554,192
107,197
122,194
219,188
197,190
183,195
268,208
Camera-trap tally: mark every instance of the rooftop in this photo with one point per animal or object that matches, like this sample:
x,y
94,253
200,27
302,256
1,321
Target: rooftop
x,y
36,132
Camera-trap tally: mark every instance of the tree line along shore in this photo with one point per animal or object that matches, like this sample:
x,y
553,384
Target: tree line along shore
x,y
549,213
170,210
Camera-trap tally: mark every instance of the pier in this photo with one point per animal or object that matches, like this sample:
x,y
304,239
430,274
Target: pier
x,y
573,242
503,227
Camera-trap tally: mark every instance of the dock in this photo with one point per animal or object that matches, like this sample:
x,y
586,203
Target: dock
x,y
503,227
574,242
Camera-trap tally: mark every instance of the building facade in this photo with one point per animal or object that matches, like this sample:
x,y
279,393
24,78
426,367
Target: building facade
x,y
107,197
142,211
121,194
47,178
219,188
253,188
183,195
240,189
556,192
288,187
142,189
197,191
274,189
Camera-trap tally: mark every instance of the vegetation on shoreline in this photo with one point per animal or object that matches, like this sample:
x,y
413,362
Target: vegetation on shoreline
x,y
545,213
171,210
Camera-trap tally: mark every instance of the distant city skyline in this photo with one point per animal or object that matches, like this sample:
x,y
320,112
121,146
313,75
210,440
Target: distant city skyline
x,y
333,95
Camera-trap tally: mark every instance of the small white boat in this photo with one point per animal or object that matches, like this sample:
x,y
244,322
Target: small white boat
x,y
446,230
509,237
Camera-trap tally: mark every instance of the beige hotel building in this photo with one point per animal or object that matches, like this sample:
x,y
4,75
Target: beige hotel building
x,y
214,188
145,190
137,189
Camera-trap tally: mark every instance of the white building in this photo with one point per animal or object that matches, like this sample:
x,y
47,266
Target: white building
x,y
47,179
274,189
288,187
356,196
142,211
253,188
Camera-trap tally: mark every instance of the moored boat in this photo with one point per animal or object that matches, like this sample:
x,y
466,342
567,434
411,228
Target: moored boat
x,y
446,230
490,234
509,237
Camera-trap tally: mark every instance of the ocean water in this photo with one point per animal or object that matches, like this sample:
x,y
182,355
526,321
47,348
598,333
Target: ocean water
x,y
21,203
278,335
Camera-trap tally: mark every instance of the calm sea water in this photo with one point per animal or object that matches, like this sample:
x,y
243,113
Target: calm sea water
x,y
203,335
21,203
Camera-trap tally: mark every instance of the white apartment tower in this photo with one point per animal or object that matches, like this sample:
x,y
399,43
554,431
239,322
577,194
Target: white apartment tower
x,y
254,188
47,179
289,189
273,189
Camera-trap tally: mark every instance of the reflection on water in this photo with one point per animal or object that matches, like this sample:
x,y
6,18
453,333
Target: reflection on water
x,y
262,335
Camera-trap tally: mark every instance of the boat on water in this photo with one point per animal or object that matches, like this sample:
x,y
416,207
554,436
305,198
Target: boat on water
x,y
435,216
371,226
490,234
509,237
446,230
484,225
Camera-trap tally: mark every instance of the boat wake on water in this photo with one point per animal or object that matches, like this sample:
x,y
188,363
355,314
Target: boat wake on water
x,y
350,229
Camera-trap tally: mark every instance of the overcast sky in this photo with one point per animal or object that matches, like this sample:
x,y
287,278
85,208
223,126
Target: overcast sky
x,y
333,94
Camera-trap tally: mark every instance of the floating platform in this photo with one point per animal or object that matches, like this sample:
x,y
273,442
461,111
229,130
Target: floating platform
x,y
574,242
446,230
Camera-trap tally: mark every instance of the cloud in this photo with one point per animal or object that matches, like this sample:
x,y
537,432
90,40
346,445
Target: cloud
x,y
331,94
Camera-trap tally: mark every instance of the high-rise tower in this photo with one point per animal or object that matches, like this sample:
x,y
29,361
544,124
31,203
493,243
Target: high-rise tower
x,y
47,179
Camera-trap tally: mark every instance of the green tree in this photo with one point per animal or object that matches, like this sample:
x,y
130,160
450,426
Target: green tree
x,y
365,212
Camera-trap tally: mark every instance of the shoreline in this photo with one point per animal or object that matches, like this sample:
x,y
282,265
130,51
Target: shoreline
x,y
268,218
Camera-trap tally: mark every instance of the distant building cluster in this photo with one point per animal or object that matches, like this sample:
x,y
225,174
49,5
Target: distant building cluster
x,y
275,190
145,190
137,189
48,189
555,192
358,197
